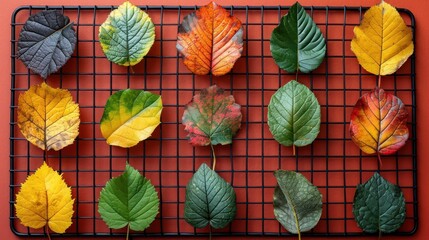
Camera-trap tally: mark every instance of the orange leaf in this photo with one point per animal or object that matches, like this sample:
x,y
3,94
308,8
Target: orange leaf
x,y
379,123
210,40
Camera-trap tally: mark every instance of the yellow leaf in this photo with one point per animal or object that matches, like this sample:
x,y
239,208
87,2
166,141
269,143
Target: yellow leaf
x,y
45,198
382,42
48,117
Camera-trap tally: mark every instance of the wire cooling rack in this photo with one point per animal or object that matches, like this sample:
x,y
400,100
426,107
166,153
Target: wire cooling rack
x,y
332,162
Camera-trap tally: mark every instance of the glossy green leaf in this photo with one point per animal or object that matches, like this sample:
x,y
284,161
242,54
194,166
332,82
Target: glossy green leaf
x,y
297,202
209,200
46,42
127,35
130,116
294,115
379,206
129,199
212,117
297,43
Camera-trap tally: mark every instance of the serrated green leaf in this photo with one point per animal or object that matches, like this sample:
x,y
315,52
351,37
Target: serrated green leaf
x,y
129,199
46,42
297,202
297,43
130,116
294,115
127,35
379,206
209,200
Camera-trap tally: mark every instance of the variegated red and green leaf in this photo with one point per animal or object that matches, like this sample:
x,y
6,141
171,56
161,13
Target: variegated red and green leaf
x,y
379,123
210,40
212,117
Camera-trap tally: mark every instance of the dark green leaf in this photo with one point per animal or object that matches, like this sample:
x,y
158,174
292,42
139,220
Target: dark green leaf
x,y
129,199
46,42
209,200
379,206
297,43
294,115
297,202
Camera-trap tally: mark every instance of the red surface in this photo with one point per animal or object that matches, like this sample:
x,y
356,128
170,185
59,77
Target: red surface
x,y
422,113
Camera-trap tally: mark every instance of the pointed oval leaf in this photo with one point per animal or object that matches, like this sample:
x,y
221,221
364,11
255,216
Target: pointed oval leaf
x,y
44,198
130,116
129,199
382,42
48,117
294,115
46,42
209,200
379,123
127,35
297,202
212,117
297,43
379,206
210,40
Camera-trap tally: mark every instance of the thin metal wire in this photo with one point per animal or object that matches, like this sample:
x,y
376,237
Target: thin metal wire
x,y
332,163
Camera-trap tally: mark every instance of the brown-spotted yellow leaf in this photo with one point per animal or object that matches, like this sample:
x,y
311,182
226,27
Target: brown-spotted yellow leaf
x,y
48,117
45,198
210,40
379,123
212,117
382,42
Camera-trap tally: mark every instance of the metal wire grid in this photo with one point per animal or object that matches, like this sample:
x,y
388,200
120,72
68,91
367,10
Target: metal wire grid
x,y
332,162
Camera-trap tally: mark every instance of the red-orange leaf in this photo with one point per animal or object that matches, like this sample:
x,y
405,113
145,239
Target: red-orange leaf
x,y
210,40
379,123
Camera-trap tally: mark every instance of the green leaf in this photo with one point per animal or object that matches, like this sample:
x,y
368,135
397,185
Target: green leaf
x,y
297,43
46,42
297,202
209,200
294,115
379,206
129,199
130,116
212,117
127,35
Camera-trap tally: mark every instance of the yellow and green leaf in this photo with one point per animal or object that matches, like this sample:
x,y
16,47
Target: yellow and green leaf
x,y
210,40
382,42
48,117
45,199
127,35
130,116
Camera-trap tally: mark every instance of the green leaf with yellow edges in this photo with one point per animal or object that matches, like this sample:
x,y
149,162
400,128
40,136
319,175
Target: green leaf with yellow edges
x,y
127,35
130,116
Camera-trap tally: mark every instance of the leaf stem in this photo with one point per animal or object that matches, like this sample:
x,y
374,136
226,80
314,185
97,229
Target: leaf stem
x,y
293,150
214,157
47,232
379,160
128,232
210,232
296,75
379,81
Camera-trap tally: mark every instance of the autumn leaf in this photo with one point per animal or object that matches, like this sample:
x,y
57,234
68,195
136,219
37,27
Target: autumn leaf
x,y
44,198
379,123
130,116
297,43
48,117
46,42
210,40
382,42
129,200
127,35
212,117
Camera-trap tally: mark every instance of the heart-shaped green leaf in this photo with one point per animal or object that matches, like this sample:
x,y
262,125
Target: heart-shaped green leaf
x,y
46,42
129,199
127,35
297,43
379,206
294,115
209,200
297,202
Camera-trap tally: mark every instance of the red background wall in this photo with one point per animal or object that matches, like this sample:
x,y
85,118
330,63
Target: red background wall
x,y
419,9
